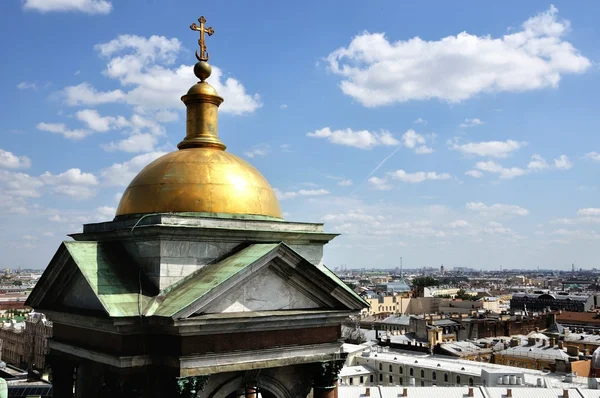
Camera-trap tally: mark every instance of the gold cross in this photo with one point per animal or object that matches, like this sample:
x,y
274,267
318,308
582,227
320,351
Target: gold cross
x,y
203,56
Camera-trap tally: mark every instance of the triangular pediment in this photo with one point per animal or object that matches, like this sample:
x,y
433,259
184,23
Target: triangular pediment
x,y
258,277
265,291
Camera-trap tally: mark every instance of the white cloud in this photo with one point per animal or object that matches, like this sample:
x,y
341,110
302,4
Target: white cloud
x,y
137,143
166,116
362,139
345,183
474,173
376,71
118,197
85,6
106,213
537,163
143,68
497,209
121,174
563,163
19,185
283,106
77,192
70,177
60,128
94,121
85,94
303,192
257,150
471,123
423,150
412,139
495,149
27,86
590,211
8,160
595,156
496,228
503,172
380,184
419,176
420,121
459,224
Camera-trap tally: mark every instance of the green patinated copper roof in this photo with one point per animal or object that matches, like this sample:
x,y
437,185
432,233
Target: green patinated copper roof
x,y
340,283
112,277
195,286
115,281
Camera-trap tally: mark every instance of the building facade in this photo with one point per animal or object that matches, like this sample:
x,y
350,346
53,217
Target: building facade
x,y
556,301
12,343
38,330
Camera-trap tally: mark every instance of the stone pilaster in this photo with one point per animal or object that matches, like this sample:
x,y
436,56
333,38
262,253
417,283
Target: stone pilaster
x,y
326,379
189,387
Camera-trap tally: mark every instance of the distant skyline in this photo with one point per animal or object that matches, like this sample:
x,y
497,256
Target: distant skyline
x,y
440,132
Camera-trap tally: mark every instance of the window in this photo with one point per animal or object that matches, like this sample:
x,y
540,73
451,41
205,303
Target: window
x,y
422,383
433,375
400,369
380,367
380,377
391,379
446,377
400,380
351,381
371,379
471,381
422,374
457,379
391,369
362,380
410,372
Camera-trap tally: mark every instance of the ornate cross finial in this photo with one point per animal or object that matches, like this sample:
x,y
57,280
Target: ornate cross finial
x,y
203,56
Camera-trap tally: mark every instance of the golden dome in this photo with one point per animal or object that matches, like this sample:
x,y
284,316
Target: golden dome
x,y
200,180
200,177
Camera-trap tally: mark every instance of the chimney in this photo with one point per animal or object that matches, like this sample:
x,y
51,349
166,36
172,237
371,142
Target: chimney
x,y
561,344
470,393
565,393
543,342
573,350
552,342
367,392
405,392
508,393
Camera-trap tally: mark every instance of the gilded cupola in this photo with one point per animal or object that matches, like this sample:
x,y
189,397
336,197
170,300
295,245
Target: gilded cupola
x,y
200,177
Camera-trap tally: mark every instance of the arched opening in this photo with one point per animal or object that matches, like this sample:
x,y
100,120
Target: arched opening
x,y
471,381
266,387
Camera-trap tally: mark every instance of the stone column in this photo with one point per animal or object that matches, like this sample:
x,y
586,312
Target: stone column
x,y
250,392
62,377
326,379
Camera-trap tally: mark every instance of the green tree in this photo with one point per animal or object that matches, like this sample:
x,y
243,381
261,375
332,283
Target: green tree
x,y
462,294
424,281
18,283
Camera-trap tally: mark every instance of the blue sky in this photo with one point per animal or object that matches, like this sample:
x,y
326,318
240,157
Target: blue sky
x,y
446,133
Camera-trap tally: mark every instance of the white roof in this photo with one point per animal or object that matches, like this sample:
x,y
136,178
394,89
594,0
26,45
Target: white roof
x,y
453,364
460,392
355,371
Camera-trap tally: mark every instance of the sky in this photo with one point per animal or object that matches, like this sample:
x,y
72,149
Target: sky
x,y
455,133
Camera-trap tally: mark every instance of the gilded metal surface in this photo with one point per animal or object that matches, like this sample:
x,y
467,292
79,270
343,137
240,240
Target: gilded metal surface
x,y
200,180
203,56
201,177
